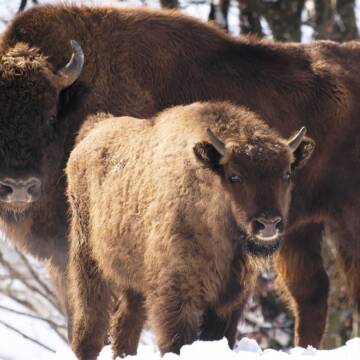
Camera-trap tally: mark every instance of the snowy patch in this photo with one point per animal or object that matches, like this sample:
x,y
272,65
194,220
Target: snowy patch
x,y
246,349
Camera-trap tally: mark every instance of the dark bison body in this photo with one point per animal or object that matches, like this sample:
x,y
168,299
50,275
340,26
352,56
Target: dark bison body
x,y
174,216
138,62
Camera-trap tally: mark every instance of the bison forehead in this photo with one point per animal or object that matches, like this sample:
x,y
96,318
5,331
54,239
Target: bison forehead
x,y
24,102
263,156
25,92
23,72
21,60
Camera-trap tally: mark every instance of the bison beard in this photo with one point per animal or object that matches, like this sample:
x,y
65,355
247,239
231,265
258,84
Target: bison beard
x,y
14,216
262,249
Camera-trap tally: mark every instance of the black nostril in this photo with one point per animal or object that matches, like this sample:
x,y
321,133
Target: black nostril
x,y
278,222
33,190
33,187
5,190
257,226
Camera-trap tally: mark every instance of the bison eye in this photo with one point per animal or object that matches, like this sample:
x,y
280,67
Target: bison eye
x,y
286,177
52,120
235,179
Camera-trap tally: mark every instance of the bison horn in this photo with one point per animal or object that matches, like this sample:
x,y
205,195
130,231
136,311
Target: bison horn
x,y
72,70
217,143
296,140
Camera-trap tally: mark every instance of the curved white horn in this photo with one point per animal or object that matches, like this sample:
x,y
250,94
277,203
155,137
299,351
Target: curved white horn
x,y
72,70
217,143
296,140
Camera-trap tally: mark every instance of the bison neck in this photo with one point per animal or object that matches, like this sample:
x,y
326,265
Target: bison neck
x,y
241,282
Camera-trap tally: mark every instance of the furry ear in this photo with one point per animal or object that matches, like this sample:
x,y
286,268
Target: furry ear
x,y
303,153
208,155
72,98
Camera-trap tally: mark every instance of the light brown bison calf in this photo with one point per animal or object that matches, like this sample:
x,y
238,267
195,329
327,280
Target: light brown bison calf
x,y
174,221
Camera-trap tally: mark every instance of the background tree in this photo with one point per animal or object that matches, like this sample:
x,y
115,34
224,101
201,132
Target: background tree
x,y
169,4
25,291
329,19
23,4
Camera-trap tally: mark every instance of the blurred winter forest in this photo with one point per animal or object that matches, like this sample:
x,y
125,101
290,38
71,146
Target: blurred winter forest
x,y
29,310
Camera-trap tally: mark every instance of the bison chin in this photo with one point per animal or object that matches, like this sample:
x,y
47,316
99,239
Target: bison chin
x,y
14,214
261,248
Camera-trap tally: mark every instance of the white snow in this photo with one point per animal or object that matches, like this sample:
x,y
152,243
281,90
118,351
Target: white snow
x,y
246,349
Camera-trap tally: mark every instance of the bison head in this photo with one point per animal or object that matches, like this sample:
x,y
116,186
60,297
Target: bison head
x,y
32,133
257,168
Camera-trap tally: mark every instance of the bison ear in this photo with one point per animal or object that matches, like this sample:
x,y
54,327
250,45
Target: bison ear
x,y
303,152
72,98
208,155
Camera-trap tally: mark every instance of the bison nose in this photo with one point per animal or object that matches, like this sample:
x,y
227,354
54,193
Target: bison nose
x,y
266,228
19,191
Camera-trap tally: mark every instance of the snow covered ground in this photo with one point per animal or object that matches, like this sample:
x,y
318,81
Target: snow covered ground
x,y
246,349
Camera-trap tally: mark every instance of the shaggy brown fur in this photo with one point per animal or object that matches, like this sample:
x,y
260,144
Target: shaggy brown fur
x,y
157,214
138,62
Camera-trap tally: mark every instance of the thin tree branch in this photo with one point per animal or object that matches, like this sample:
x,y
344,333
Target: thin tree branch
x,y
22,302
27,337
16,274
54,326
22,5
35,276
37,317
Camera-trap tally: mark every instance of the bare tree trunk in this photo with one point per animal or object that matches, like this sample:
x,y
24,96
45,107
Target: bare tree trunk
x,y
250,17
324,19
356,322
169,4
22,5
345,25
284,18
219,10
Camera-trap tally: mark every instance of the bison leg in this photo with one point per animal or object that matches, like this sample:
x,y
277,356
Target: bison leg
x,y
88,292
350,264
305,284
215,327
90,307
346,237
174,317
127,323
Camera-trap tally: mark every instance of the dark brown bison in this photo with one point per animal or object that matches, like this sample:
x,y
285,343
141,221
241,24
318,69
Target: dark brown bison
x,y
33,152
178,219
138,62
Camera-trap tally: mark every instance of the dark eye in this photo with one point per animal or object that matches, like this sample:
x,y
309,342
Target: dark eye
x,y
235,179
52,120
286,177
